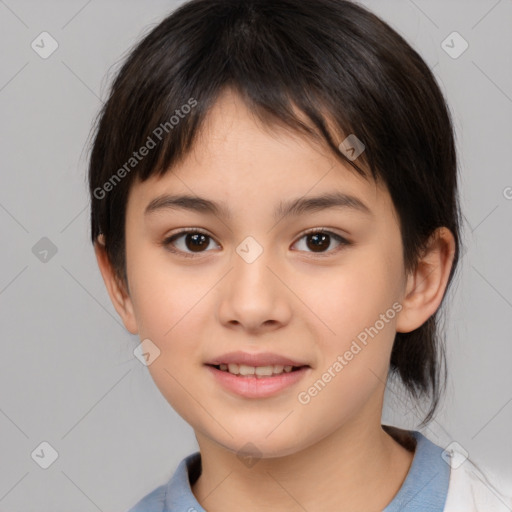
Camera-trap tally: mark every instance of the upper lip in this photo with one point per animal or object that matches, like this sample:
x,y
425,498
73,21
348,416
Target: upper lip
x,y
261,359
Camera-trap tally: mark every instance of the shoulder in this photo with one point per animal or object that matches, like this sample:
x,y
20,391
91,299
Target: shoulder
x,y
153,501
470,490
175,495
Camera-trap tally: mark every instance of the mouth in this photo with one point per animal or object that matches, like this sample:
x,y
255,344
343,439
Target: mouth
x,y
256,382
259,372
256,375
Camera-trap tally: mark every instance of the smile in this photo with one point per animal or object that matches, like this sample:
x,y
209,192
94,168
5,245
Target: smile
x,y
258,371
256,381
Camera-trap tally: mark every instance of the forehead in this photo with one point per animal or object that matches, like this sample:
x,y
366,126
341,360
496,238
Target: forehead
x,y
238,162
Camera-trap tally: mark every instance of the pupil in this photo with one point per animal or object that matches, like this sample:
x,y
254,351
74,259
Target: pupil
x,y
319,239
198,241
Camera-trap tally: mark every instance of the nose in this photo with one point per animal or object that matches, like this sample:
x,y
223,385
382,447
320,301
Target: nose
x,y
253,297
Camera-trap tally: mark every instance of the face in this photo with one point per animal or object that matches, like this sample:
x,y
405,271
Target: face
x,y
319,285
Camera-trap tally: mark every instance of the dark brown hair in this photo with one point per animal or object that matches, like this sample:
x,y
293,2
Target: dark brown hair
x,y
332,61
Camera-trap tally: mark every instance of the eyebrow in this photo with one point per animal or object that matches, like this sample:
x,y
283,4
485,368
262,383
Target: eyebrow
x,y
294,207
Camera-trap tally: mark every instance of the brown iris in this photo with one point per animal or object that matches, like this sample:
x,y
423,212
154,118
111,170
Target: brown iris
x,y
319,241
198,241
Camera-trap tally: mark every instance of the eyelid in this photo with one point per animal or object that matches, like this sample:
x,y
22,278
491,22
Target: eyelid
x,y
322,229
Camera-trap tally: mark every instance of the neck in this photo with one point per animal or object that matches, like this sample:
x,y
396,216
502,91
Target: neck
x,y
358,467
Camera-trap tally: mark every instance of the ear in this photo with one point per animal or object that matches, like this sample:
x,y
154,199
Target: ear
x,y
426,285
116,289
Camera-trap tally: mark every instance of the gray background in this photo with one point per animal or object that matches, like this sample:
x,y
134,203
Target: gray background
x,y
67,372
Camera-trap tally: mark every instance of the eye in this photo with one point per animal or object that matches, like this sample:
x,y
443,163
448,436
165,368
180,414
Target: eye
x,y
319,239
192,241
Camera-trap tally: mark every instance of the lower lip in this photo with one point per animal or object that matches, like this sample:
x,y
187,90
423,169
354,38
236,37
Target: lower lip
x,y
257,387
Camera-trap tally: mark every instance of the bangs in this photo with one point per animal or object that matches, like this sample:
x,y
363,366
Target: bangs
x,y
167,91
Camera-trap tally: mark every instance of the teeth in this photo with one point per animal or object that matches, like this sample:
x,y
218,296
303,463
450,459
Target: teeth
x,y
245,370
233,368
264,370
259,371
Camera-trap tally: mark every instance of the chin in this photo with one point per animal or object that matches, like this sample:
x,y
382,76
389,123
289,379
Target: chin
x,y
259,444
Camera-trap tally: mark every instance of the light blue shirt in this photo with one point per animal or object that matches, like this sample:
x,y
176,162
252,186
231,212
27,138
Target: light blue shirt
x,y
424,489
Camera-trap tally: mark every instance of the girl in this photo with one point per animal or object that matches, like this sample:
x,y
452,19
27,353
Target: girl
x,y
275,214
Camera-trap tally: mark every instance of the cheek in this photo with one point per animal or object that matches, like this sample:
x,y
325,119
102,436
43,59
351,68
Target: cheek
x,y
170,303
170,312
354,297
357,306
163,295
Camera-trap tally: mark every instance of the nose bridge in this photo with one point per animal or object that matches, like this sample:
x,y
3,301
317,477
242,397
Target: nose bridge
x,y
253,296
251,275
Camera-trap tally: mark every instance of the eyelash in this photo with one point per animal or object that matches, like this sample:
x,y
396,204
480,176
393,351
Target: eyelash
x,y
167,242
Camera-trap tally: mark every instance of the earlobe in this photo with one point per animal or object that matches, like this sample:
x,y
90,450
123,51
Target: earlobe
x,y
426,286
115,288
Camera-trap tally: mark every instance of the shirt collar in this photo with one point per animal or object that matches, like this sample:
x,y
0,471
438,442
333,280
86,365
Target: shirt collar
x,y
426,485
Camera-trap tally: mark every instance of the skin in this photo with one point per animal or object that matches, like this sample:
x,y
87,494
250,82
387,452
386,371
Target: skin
x,y
291,300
